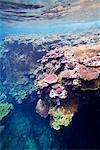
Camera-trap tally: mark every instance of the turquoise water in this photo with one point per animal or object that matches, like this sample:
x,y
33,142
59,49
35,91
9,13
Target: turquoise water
x,y
48,28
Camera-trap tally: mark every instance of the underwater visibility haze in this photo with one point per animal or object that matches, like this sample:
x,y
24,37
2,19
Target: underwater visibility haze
x,y
49,74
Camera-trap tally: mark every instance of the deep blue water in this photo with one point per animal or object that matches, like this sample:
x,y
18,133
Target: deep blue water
x,y
27,130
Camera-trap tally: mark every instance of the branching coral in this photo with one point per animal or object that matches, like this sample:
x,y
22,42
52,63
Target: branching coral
x,y
5,108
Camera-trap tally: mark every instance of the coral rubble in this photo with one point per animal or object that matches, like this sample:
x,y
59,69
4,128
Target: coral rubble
x,y
64,73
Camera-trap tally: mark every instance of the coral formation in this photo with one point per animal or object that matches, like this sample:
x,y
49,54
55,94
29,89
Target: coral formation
x,y
79,70
60,116
5,108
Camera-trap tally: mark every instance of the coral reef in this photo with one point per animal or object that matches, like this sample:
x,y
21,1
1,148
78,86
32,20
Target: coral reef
x,y
66,72
63,66
19,54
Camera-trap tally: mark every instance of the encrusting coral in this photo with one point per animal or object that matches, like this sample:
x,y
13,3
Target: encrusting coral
x,y
60,87
5,108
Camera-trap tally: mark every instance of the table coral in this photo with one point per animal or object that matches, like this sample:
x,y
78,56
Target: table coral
x,y
87,73
51,78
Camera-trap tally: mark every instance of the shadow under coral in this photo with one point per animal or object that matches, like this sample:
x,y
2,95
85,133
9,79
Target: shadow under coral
x,y
84,131
26,130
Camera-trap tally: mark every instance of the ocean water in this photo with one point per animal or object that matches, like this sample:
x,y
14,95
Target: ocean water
x,y
29,30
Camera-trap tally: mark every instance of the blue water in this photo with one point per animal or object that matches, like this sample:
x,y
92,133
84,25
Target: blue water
x,y
48,28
